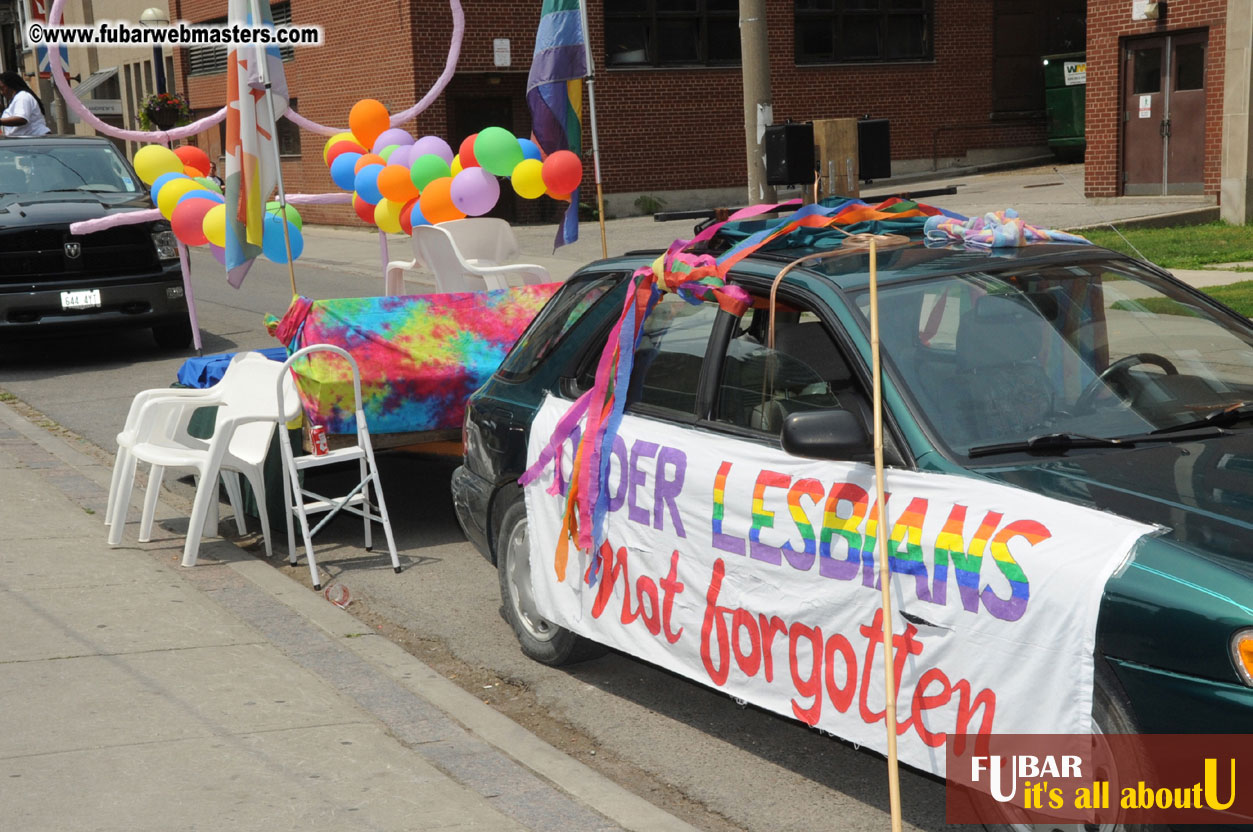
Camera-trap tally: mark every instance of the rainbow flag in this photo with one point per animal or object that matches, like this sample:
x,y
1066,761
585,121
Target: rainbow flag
x,y
554,93
251,157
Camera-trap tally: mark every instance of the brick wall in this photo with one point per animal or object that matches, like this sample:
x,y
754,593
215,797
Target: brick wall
x,y
1109,23
660,129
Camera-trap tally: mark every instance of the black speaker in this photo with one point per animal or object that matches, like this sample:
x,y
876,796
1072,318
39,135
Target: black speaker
x,y
789,153
874,149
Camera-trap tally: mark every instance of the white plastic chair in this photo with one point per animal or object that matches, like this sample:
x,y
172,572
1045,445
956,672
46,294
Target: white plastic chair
x,y
247,413
356,501
394,275
473,254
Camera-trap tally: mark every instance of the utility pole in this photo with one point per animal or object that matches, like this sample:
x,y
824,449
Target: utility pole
x,y
758,102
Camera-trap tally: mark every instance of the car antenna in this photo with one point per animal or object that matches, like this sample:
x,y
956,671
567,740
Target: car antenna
x,y
1110,223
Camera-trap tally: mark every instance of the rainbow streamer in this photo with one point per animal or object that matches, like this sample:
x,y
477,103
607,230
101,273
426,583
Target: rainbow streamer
x,y
1000,229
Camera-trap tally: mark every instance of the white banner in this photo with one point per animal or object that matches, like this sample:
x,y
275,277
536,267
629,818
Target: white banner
x,y
743,568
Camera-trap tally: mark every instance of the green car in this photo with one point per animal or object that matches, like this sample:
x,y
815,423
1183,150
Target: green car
x,y
1061,381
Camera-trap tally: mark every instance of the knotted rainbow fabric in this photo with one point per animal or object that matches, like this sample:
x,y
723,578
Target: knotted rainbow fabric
x,y
696,278
1000,229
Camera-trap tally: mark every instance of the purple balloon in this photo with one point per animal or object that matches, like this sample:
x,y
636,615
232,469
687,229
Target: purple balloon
x,y
392,135
402,156
219,253
432,144
475,191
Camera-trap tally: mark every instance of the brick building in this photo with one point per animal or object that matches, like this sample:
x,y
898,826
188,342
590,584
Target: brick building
x,y
1168,100
958,80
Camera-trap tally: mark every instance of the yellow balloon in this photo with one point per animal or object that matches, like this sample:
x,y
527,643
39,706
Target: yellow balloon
x,y
338,137
528,180
456,165
215,225
152,160
387,216
171,192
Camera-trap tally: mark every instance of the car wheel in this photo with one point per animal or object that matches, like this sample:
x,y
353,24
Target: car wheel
x,y
1111,714
541,640
175,336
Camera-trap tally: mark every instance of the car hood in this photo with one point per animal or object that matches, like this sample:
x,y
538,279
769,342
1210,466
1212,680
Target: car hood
x,y
32,210
1198,491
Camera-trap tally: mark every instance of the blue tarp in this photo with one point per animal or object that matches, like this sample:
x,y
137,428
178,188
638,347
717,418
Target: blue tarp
x,y
207,370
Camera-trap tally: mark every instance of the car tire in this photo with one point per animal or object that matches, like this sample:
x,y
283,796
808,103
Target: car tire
x,y
540,639
1111,714
176,336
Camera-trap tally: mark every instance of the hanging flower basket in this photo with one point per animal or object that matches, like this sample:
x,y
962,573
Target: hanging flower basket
x,y
164,110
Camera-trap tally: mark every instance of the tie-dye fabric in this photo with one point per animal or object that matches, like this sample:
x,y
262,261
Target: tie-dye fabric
x,y
421,356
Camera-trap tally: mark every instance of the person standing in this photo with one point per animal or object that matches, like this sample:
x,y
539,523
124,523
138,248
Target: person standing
x,y
24,112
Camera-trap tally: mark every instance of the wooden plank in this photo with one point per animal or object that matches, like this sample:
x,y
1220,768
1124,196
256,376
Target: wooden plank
x,y
444,442
836,139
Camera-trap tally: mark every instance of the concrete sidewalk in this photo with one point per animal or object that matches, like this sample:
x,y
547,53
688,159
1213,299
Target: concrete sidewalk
x,y
138,695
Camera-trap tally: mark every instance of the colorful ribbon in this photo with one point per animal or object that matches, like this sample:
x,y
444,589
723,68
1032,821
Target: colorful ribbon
x,y
1001,229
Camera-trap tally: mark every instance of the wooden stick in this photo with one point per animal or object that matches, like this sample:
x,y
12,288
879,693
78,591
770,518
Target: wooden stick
x,y
881,543
600,212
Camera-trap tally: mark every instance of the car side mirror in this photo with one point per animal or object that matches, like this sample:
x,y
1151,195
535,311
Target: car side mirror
x,y
825,434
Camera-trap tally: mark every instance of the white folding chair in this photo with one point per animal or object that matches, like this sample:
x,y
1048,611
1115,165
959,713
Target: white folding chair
x,y
473,254
394,275
304,501
247,413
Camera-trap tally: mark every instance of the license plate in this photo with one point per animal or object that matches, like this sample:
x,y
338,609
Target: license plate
x,y
85,299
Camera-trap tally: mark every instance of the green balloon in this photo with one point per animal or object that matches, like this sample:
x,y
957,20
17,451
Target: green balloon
x,y
209,183
497,151
293,216
388,151
426,169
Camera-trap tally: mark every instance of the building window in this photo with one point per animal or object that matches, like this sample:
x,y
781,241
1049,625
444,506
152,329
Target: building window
x,y
829,31
211,60
288,133
672,33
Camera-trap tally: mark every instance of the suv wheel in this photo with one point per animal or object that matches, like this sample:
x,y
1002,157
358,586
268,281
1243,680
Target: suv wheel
x,y
176,336
541,640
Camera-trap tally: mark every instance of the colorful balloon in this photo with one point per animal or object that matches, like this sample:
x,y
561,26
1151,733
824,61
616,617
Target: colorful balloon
x,y
209,184
341,147
219,253
406,216
172,192
274,244
200,193
474,191
530,150
387,216
195,158
497,150
455,167
528,179
187,221
386,153
426,169
152,160
392,135
394,184
466,151
367,119
366,183
368,159
562,172
344,170
161,181
402,155
436,202
334,140
293,216
433,144
364,209
215,225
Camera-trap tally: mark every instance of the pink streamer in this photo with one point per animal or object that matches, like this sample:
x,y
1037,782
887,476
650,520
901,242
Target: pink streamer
x,y
185,267
150,214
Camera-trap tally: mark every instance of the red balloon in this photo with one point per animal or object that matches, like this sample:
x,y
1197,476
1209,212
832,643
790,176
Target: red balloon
x,y
193,157
344,146
187,221
562,172
466,152
364,209
406,216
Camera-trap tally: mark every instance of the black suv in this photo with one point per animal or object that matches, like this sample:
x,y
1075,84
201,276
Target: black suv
x,y
52,280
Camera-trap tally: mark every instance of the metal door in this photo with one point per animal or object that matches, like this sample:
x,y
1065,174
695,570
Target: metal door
x,y
1164,114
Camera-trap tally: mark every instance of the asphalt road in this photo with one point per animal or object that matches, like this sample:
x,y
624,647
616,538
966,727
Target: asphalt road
x,y
696,752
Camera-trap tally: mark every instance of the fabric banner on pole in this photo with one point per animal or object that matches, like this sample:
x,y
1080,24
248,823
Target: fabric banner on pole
x,y
251,161
554,93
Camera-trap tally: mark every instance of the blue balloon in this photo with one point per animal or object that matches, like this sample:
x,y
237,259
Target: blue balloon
x,y
162,180
201,193
530,150
366,183
342,170
272,244
416,218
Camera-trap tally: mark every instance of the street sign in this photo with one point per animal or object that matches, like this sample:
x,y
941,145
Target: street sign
x,y
45,61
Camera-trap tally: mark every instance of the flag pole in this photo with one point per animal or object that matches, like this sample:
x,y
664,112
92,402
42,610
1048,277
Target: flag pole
x,y
263,68
881,541
591,106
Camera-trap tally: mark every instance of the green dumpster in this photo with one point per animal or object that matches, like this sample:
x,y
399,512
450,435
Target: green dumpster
x,y
1065,88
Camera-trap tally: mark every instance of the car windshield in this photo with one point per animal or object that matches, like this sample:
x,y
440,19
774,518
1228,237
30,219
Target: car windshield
x,y
1101,349
29,168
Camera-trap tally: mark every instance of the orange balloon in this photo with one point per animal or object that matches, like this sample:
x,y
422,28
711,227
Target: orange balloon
x,y
436,201
193,157
395,184
368,159
367,119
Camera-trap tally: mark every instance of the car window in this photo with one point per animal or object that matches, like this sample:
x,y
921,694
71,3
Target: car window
x,y
31,168
557,318
670,354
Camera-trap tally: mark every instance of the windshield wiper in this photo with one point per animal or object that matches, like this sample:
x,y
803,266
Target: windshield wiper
x,y
1224,418
1051,442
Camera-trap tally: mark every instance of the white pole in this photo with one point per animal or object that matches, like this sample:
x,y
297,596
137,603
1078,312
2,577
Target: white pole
x,y
591,106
